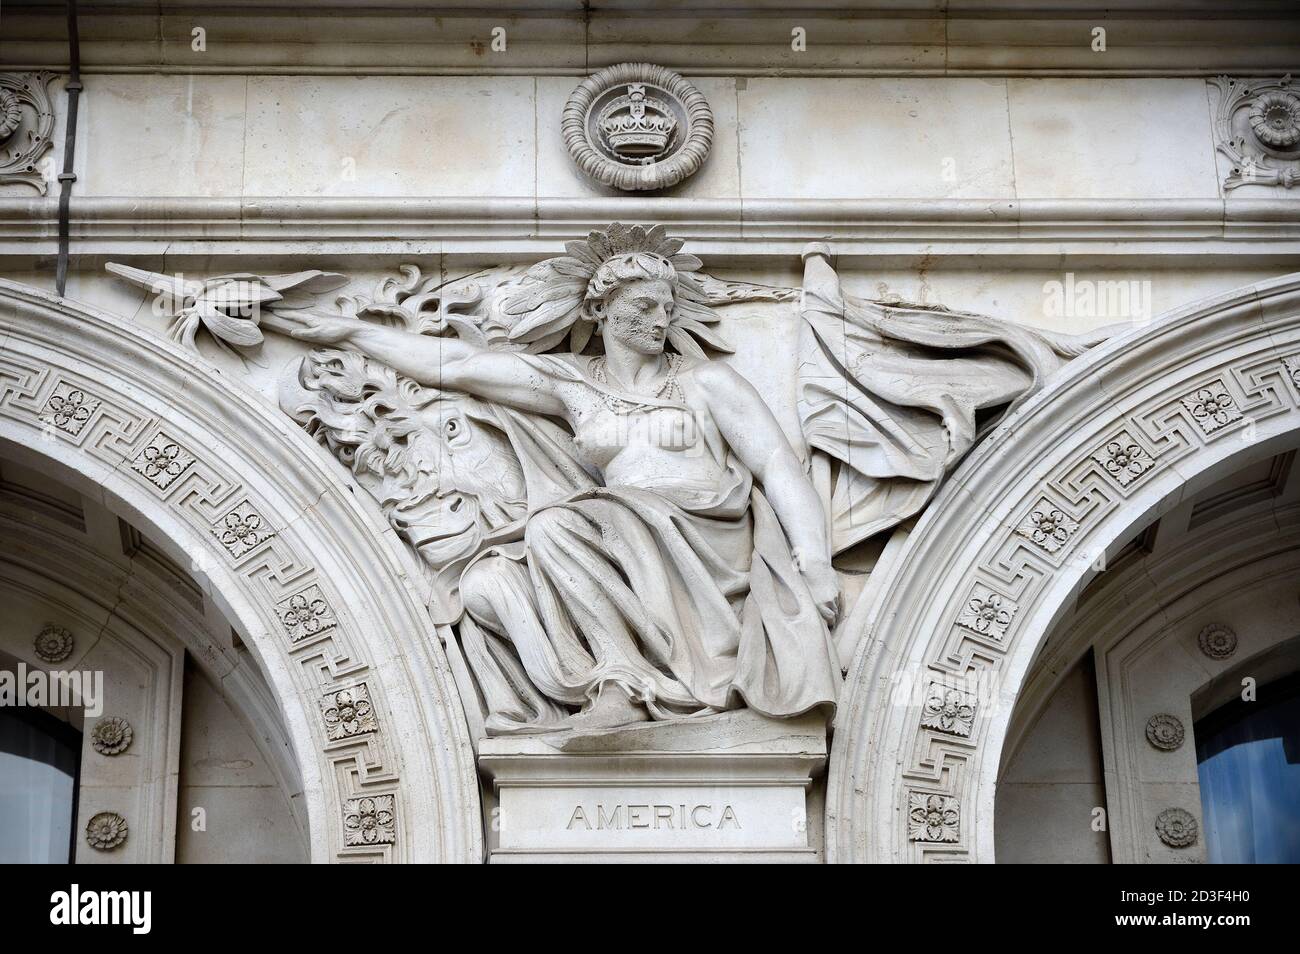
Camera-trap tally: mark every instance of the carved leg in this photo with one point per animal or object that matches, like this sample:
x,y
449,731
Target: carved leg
x,y
498,594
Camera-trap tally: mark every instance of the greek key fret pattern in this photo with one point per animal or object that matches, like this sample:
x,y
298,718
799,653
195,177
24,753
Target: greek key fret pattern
x,y
201,491
1018,560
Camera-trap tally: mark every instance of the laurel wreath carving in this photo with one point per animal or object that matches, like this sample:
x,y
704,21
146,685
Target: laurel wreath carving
x,y
685,161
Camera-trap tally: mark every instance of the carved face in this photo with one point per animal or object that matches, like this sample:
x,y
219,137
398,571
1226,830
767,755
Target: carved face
x,y
637,314
474,483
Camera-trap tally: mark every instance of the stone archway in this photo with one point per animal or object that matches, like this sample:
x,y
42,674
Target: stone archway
x,y
319,582
999,557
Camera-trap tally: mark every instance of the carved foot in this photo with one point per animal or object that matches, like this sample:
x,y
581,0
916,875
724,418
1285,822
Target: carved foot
x,y
613,707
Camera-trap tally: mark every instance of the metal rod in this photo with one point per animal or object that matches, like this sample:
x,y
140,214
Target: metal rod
x,y
67,176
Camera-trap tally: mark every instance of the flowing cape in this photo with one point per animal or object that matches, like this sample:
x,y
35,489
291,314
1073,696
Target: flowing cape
x,y
890,394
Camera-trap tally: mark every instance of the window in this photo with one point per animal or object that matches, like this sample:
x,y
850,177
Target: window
x,y
39,761
1248,756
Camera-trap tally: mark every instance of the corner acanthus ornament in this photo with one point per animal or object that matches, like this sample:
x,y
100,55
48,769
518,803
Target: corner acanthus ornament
x,y
637,126
1257,126
614,524
26,127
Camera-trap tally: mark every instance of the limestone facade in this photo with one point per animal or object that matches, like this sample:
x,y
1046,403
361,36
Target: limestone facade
x,y
582,435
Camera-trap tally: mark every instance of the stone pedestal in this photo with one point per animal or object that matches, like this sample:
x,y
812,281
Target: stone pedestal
x,y
733,787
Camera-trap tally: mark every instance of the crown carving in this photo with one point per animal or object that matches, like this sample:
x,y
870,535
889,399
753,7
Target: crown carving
x,y
637,127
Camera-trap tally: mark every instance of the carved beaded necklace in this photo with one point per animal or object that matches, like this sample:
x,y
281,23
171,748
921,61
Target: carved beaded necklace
x,y
669,389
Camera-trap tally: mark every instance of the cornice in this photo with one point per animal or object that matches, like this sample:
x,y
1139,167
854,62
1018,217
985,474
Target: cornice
x,y
748,229
903,37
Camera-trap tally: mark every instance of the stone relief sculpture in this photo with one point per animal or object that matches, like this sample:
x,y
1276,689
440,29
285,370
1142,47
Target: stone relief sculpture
x,y
26,127
637,126
613,521
1257,126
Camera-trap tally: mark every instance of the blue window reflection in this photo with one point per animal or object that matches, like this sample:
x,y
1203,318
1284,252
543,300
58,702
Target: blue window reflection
x,y
39,761
1248,756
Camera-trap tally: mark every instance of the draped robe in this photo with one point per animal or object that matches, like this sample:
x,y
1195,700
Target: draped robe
x,y
682,592
685,595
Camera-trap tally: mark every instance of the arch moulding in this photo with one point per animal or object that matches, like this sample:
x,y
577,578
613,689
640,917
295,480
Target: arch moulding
x,y
1119,438
269,526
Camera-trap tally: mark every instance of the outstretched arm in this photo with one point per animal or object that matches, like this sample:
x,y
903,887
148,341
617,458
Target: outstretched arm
x,y
752,432
436,362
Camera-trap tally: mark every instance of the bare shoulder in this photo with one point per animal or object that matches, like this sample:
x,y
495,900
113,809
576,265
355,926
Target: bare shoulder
x,y
715,376
729,394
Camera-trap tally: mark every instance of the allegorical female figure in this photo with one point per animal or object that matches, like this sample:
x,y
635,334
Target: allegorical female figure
x,y
690,571
629,534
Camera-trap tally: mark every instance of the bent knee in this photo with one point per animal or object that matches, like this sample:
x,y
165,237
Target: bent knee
x,y
483,585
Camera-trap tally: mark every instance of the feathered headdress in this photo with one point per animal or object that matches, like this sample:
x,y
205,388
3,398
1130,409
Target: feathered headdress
x,y
546,303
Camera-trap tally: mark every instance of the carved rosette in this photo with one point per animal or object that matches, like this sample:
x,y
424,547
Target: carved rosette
x,y
1048,527
371,820
1257,126
932,817
112,736
348,712
1212,407
306,614
1217,641
69,409
11,113
987,613
948,710
1124,459
1292,366
242,530
53,644
637,126
26,127
106,831
1176,827
1165,731
161,461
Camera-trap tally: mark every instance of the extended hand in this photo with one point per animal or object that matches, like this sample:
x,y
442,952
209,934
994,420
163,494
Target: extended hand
x,y
321,329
